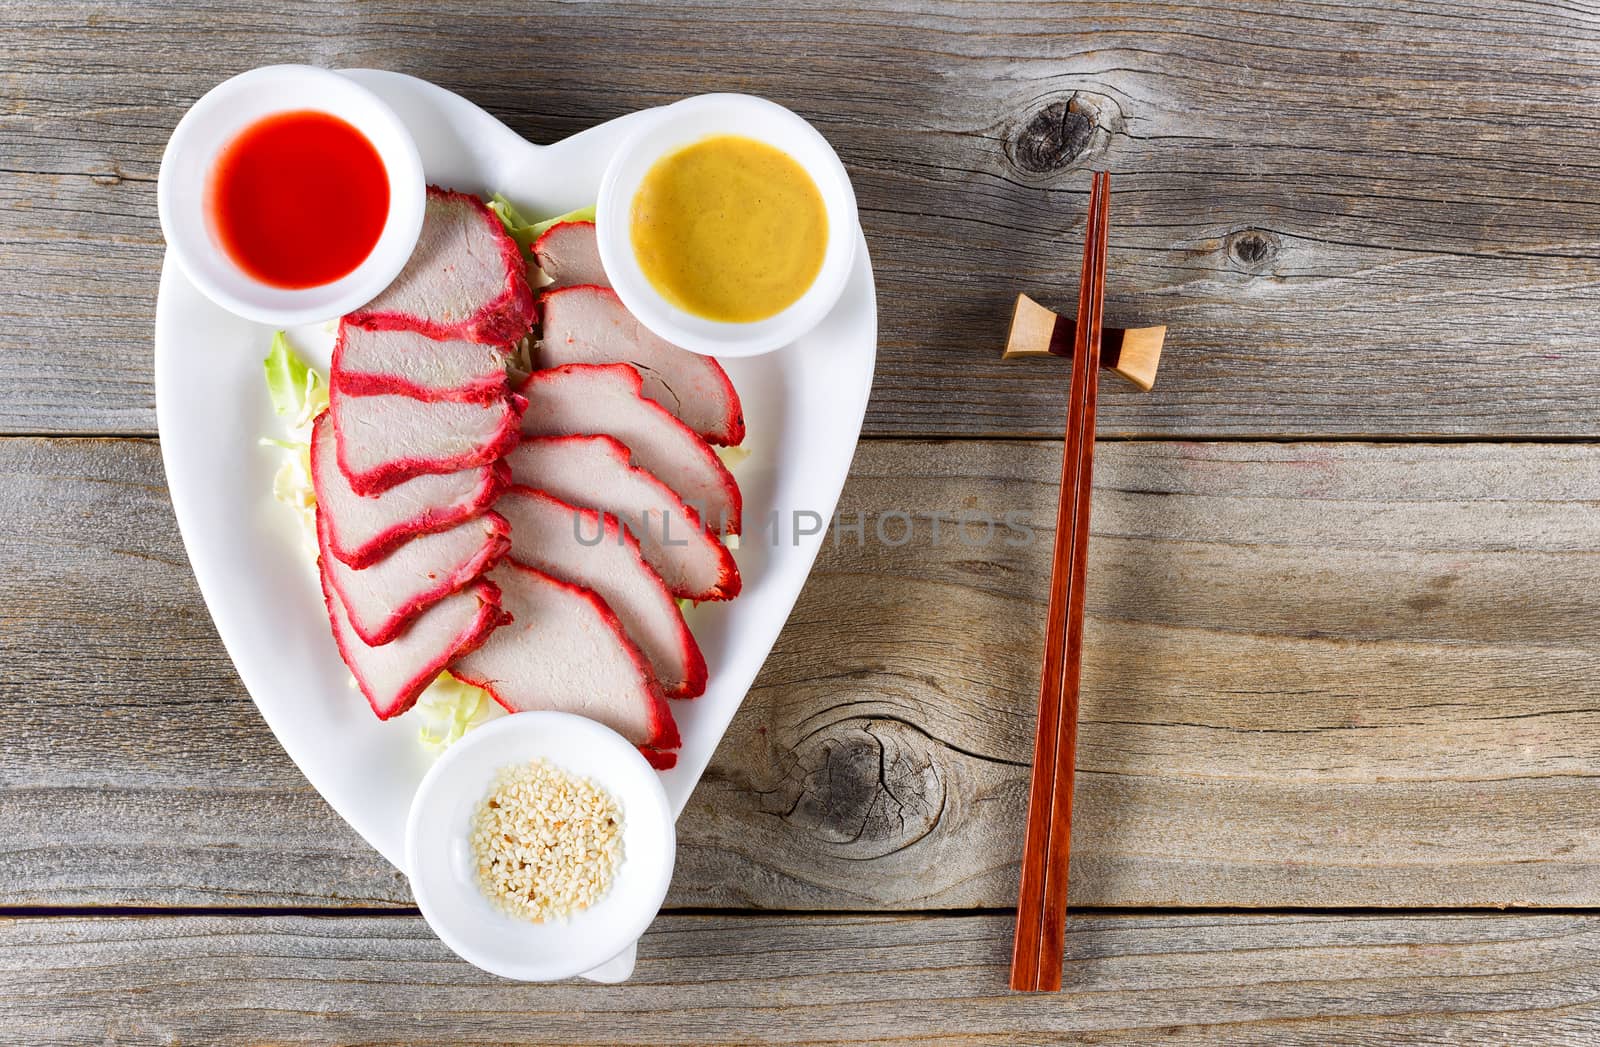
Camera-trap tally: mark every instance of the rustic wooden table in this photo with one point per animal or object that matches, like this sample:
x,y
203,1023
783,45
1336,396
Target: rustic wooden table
x,y
1340,758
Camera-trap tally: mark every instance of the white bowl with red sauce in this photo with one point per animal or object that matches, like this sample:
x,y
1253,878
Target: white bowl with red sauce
x,y
291,194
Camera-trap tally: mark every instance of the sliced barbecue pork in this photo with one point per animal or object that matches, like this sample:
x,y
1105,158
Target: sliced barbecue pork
x,y
590,325
367,362
583,547
594,472
465,279
565,651
363,530
392,676
381,601
607,399
569,255
387,439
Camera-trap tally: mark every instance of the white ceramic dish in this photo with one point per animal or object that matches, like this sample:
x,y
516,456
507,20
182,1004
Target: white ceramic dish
x,y
214,121
803,404
439,848
670,128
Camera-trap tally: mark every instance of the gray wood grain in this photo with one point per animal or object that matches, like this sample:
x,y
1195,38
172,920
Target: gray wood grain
x,y
1315,675
1283,981
1356,220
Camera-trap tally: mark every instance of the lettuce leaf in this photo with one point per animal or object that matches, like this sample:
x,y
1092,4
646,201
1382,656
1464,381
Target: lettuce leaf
x,y
525,232
731,457
516,226
298,395
582,214
447,710
297,390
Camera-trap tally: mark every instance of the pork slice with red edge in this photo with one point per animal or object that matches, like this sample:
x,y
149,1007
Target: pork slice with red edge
x,y
565,651
595,472
393,675
382,600
568,253
608,399
590,325
387,439
465,278
364,529
367,362
583,547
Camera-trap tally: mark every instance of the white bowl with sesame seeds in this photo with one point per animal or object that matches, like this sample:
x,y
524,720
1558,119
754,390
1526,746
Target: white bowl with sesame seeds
x,y
439,848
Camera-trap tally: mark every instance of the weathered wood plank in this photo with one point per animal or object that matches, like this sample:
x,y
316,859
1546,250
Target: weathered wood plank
x,y
1315,675
1357,220
136,759
1282,981
1310,673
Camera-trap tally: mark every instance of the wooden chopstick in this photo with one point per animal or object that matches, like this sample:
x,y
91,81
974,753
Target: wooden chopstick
x,y
1052,942
1041,909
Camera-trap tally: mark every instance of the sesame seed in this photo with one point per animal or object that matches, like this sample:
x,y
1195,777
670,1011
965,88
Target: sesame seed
x,y
546,843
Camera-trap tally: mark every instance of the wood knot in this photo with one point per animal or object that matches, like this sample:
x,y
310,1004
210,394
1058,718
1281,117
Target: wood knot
x,y
867,788
1252,250
1064,133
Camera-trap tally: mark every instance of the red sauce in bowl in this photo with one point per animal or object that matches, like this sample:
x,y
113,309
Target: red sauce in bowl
x,y
298,199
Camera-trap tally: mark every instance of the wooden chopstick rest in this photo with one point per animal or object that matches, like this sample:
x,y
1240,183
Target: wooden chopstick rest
x,y
1133,352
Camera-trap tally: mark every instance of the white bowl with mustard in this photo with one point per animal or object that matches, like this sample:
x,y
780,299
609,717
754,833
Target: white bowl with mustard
x,y
727,225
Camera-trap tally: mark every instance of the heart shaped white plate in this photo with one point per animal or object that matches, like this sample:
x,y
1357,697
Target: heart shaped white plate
x,y
803,407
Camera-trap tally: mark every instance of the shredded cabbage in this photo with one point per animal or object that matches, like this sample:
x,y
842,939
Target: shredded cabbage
x,y
297,390
448,709
582,214
732,456
525,232
298,394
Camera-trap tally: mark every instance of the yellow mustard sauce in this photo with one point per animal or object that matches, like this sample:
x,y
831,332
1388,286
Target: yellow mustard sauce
x,y
729,229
